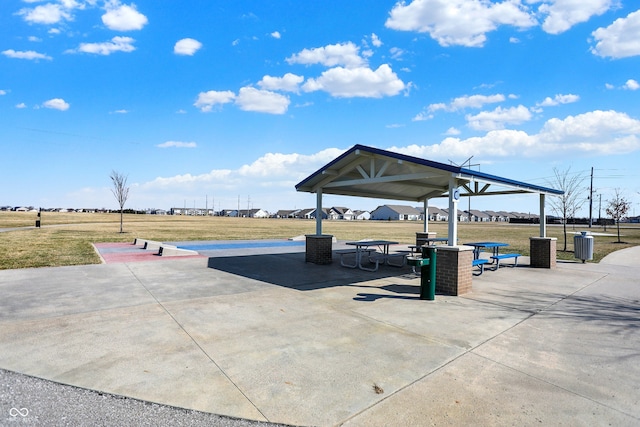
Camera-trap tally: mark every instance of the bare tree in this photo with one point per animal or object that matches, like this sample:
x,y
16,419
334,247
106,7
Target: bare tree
x,y
566,205
120,190
618,208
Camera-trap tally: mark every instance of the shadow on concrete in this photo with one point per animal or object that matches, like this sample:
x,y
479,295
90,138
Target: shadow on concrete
x,y
290,270
622,315
407,292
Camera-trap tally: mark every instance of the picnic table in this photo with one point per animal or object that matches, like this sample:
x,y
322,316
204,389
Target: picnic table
x,y
495,248
479,246
363,248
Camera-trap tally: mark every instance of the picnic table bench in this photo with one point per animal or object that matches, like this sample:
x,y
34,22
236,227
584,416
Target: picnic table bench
x,y
498,258
343,252
479,262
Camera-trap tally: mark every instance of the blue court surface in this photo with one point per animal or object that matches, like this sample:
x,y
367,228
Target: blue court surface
x,y
241,244
224,248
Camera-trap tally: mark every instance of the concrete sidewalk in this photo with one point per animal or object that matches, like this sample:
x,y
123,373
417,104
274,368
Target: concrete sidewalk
x,y
271,338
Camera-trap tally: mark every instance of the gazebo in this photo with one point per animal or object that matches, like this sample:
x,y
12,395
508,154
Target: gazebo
x,y
364,171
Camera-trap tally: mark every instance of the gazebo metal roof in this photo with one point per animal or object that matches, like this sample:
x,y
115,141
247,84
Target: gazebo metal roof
x,y
371,172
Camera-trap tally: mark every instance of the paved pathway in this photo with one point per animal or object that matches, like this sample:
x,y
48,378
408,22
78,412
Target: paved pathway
x,y
271,338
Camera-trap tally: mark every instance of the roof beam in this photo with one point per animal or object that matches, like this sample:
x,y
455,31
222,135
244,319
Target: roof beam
x,y
383,179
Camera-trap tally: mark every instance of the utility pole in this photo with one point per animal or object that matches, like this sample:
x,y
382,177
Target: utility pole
x,y
600,210
591,200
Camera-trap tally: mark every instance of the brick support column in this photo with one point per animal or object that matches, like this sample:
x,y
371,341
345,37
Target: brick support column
x,y
421,237
318,248
453,270
542,251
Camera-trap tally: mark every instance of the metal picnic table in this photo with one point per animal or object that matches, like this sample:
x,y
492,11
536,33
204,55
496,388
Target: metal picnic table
x,y
362,247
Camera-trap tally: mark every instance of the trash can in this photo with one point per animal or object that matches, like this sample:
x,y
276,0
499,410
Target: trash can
x,y
583,246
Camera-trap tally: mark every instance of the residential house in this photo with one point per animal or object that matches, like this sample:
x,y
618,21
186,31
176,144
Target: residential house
x,y
496,216
361,215
478,216
396,212
252,213
337,212
462,216
283,213
506,215
437,214
311,213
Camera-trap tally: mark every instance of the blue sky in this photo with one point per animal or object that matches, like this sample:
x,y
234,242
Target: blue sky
x,y
234,102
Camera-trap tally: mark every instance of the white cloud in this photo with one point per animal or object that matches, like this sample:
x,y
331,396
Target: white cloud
x,y
396,53
262,101
631,85
29,54
375,40
177,144
452,131
475,101
207,100
466,101
357,82
187,181
56,104
270,170
117,44
422,116
186,47
288,83
121,111
498,118
46,14
276,35
591,133
620,39
458,22
558,99
564,14
3,92
21,105
590,127
122,17
346,54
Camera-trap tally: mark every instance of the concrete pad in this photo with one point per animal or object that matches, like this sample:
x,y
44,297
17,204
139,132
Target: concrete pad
x,y
134,351
590,348
530,289
185,279
302,362
265,336
49,292
476,391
